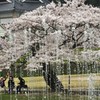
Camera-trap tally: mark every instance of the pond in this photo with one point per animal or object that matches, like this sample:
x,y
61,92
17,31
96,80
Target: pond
x,y
45,96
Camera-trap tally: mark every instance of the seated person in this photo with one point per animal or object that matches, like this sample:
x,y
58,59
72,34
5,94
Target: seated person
x,y
21,84
11,84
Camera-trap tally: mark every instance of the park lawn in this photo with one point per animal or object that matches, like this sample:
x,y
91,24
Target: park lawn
x,y
76,81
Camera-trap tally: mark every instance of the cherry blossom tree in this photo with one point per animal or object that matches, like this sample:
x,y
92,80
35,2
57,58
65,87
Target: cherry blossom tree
x,y
53,34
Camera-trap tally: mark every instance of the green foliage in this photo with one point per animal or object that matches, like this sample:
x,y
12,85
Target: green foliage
x,y
82,49
77,68
18,68
95,3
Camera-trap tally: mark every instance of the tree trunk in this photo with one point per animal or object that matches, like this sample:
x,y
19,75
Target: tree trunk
x,y
49,74
51,79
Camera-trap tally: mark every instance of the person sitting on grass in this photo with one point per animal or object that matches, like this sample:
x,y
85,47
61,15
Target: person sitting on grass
x,y
21,84
11,84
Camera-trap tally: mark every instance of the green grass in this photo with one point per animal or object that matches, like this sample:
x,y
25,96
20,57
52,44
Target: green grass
x,y
76,81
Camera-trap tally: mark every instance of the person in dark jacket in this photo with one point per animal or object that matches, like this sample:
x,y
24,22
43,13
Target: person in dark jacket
x,y
21,84
11,84
2,83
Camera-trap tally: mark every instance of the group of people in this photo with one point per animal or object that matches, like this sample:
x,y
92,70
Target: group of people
x,y
11,84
